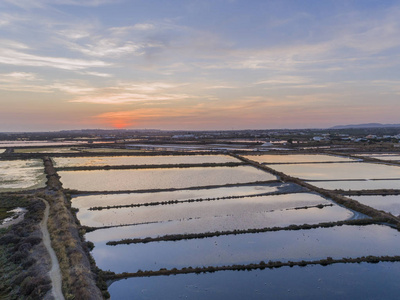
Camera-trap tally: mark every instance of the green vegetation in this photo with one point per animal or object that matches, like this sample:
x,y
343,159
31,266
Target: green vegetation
x,y
24,261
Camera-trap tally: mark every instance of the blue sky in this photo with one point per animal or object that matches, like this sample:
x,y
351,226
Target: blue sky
x,y
222,64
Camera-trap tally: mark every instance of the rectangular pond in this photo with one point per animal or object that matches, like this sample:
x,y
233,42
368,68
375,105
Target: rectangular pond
x,y
357,185
140,160
313,244
297,158
143,179
342,171
278,218
237,213
313,282
21,174
387,203
104,200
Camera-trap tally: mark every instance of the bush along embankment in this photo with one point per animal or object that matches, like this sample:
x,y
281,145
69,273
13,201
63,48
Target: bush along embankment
x,y
77,268
336,197
248,267
24,260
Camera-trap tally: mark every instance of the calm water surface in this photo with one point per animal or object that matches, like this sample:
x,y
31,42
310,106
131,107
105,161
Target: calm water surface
x,y
21,174
141,160
342,171
338,281
86,201
256,211
245,220
313,244
296,158
357,184
389,203
114,180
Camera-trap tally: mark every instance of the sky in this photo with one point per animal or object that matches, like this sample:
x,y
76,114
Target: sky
x,y
198,64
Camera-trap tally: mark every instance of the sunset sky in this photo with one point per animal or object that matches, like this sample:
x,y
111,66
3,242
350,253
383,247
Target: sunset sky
x,y
198,64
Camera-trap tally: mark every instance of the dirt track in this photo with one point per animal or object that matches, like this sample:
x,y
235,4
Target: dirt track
x,y
55,274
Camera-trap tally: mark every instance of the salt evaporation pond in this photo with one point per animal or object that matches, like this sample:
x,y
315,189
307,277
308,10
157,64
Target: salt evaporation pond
x,y
237,213
388,157
60,162
2,150
357,185
242,221
142,179
342,171
312,244
21,174
104,200
313,282
387,203
297,158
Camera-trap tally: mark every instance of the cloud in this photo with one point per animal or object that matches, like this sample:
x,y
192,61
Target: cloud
x,y
123,98
17,58
128,92
26,4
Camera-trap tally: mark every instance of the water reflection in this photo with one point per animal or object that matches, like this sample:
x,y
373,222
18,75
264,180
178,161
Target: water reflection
x,y
339,281
342,171
114,180
140,160
313,244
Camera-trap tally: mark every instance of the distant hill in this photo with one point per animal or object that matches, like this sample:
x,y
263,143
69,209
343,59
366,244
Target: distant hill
x,y
368,125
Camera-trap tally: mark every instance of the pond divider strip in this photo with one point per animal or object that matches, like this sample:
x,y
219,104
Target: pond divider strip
x,y
189,236
110,276
336,197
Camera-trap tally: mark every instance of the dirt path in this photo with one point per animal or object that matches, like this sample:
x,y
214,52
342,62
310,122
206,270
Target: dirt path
x,y
55,274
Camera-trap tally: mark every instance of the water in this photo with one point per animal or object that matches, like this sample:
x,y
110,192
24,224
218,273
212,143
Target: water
x,y
248,212
388,203
114,180
338,281
342,171
297,158
87,201
241,221
313,244
357,185
140,160
21,174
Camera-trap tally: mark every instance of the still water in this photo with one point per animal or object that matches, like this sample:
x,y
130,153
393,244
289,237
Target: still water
x,y
313,244
342,171
297,158
388,203
140,160
338,281
114,180
21,174
247,212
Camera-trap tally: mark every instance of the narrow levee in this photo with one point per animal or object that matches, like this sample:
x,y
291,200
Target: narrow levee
x,y
78,280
